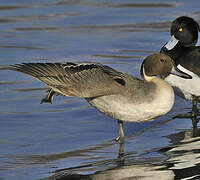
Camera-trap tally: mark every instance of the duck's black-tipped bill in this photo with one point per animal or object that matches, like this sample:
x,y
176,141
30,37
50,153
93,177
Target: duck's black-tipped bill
x,y
171,43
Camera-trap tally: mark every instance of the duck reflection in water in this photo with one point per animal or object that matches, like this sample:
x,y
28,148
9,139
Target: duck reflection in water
x,y
180,160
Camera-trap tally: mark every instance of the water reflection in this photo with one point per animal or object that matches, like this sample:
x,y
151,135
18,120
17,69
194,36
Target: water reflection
x,y
194,120
144,172
184,156
181,161
69,138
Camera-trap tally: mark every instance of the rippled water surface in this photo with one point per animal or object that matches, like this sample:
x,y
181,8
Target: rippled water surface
x,y
69,139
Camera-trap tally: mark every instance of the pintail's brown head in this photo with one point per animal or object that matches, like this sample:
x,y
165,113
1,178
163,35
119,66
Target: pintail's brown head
x,y
160,64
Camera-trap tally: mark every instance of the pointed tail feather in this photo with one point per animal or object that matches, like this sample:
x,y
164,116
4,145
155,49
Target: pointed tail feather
x,y
6,68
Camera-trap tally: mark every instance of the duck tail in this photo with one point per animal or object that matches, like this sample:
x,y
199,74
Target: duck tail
x,y
6,68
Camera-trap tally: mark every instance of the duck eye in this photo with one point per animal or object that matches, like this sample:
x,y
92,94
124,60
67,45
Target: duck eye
x,y
162,60
180,29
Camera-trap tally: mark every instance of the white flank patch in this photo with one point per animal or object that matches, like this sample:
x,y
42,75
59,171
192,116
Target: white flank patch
x,y
185,87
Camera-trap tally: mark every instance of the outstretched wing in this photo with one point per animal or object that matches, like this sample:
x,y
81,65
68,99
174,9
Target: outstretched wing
x,y
79,80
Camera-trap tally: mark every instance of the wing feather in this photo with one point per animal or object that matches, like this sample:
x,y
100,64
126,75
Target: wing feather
x,y
80,80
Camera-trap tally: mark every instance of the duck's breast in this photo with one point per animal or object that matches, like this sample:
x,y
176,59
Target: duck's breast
x,y
135,108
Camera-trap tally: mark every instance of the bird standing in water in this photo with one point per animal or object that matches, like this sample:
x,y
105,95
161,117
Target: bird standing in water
x,y
116,94
181,48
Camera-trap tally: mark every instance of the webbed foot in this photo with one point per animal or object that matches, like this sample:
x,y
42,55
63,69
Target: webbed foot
x,y
49,97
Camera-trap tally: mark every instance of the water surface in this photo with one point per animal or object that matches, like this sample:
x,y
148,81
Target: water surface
x,y
69,138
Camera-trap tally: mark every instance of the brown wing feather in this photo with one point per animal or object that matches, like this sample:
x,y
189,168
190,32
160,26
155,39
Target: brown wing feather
x,y
80,80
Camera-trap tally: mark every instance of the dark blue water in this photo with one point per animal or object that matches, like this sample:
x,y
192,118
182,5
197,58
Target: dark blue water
x,y
70,137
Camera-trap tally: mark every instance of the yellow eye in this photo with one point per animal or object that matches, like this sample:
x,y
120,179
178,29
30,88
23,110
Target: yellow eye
x,y
180,29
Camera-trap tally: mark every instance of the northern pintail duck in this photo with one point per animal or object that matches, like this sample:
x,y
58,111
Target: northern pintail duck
x,y
181,48
116,94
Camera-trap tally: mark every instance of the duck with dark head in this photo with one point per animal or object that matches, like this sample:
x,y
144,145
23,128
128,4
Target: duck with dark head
x,y
183,50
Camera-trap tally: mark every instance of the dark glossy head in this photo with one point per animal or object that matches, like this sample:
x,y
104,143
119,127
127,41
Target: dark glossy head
x,y
184,32
160,64
185,29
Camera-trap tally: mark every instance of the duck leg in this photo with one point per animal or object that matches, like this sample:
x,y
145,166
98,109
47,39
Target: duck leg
x,y
120,138
121,158
49,97
194,106
194,112
194,124
194,116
